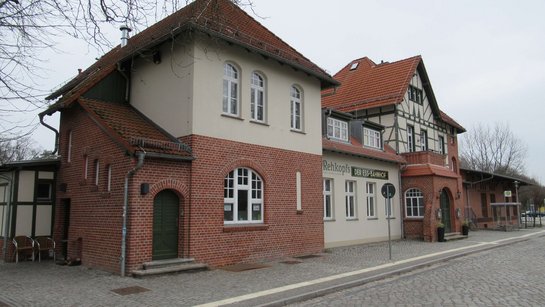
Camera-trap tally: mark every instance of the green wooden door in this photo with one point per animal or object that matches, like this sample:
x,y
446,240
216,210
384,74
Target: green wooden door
x,y
165,225
445,211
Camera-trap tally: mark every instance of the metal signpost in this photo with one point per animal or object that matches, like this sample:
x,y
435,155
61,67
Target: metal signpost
x,y
388,191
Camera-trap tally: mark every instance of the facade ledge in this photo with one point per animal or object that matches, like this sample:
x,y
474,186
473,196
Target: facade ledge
x,y
245,227
232,116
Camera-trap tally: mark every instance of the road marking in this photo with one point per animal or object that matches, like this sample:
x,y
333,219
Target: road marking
x,y
249,296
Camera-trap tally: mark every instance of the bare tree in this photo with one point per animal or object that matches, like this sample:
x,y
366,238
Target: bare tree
x,y
19,149
493,149
27,27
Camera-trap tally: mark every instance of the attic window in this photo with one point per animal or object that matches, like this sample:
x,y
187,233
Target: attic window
x,y
354,65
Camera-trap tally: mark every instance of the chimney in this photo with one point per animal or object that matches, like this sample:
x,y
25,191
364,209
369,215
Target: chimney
x,y
124,35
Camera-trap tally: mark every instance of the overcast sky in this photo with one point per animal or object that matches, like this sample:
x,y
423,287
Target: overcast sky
x,y
485,59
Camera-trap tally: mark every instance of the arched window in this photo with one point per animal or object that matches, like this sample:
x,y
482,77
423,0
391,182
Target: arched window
x,y
258,97
242,197
414,203
230,90
296,104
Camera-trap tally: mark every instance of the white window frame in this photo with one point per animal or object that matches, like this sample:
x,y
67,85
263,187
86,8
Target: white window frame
x,y
350,199
424,140
337,129
69,153
109,179
372,138
86,167
410,138
441,141
414,199
258,98
97,171
231,88
371,199
296,108
416,94
243,179
328,195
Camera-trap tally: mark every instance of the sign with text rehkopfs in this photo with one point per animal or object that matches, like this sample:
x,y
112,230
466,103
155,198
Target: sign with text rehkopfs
x,y
369,173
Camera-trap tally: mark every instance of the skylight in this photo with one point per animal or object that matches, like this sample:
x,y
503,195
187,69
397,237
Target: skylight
x,y
354,65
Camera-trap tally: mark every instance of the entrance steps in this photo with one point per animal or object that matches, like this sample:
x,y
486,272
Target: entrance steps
x,y
452,236
169,266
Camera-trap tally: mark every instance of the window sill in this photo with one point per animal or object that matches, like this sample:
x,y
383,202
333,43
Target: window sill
x,y
414,218
232,116
372,218
244,227
297,131
253,121
329,220
350,219
391,218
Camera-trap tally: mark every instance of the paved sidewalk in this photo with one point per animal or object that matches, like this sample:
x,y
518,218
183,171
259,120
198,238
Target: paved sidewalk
x,y
47,284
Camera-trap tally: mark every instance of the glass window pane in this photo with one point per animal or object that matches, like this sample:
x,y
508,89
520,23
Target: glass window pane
x,y
242,205
228,212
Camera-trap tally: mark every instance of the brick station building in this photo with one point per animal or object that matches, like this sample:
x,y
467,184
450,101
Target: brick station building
x,y
202,131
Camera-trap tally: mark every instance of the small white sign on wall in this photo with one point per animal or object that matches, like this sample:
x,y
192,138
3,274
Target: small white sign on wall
x,y
507,193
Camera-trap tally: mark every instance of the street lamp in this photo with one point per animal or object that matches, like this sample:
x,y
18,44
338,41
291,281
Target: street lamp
x,y
516,190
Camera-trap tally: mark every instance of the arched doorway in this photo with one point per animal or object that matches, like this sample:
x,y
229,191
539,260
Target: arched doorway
x,y
165,225
445,210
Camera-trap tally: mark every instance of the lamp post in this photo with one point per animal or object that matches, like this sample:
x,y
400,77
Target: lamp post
x,y
517,201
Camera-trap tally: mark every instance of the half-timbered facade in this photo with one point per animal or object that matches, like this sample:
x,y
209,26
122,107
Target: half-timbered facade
x,y
398,97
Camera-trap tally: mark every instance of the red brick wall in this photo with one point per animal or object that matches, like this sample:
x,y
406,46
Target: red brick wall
x,y
287,232
472,200
430,186
96,215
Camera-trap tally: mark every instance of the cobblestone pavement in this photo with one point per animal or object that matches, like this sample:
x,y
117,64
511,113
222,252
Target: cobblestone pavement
x,y
47,284
510,276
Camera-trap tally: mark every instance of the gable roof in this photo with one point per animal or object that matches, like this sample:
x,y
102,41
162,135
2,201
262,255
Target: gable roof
x,y
370,84
365,84
134,131
218,18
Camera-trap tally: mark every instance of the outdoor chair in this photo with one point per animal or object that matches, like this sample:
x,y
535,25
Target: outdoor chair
x,y
25,245
44,244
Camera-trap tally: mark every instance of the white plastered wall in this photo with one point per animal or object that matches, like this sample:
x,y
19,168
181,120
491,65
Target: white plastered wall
x,y
183,94
26,186
342,231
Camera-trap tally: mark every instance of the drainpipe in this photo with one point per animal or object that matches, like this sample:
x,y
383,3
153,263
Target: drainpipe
x,y
8,214
127,81
41,116
141,156
401,200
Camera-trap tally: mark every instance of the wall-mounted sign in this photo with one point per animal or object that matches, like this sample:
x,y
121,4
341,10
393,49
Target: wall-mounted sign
x,y
507,193
345,168
369,173
335,167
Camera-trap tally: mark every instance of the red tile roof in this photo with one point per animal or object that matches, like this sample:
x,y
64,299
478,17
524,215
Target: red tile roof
x,y
449,120
370,85
415,170
357,149
219,18
132,129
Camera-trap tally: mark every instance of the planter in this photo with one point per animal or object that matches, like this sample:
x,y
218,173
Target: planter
x,y
440,234
465,230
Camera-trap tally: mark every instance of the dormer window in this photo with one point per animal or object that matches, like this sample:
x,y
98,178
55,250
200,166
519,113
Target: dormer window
x,y
415,94
337,129
372,138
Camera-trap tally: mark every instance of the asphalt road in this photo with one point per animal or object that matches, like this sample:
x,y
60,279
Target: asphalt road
x,y
513,275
